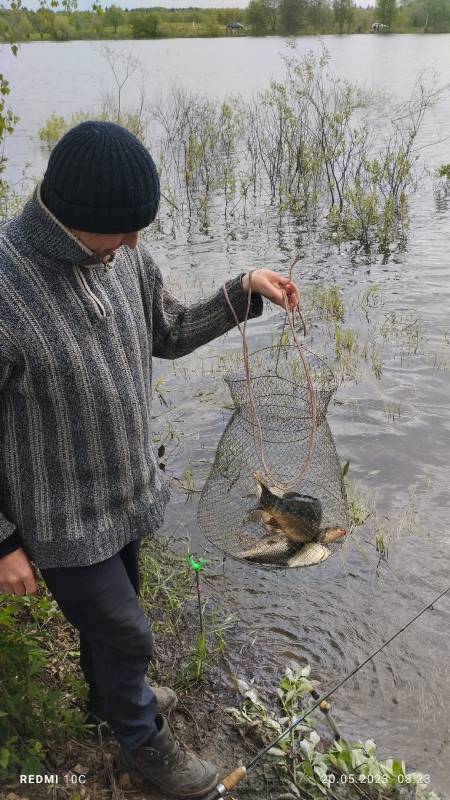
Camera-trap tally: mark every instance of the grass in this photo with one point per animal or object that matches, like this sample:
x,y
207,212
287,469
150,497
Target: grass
x,y
40,686
42,689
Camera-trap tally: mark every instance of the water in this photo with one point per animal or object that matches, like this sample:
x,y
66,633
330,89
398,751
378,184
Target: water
x,y
394,431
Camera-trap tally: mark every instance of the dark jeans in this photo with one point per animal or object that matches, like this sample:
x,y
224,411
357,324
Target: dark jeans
x,y
116,644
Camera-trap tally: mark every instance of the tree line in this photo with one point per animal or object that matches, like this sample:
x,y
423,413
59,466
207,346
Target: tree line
x,y
260,18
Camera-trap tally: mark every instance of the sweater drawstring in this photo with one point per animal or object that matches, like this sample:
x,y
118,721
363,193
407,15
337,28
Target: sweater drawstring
x,y
98,305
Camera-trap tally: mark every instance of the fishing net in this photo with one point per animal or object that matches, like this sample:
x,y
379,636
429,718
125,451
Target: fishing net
x,y
275,495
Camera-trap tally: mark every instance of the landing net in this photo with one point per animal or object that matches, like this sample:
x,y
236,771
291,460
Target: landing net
x,y
275,495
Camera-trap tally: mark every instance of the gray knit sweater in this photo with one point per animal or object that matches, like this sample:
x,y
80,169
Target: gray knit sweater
x,y
78,474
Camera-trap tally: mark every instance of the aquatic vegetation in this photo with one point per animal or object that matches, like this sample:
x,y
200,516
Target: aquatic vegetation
x,y
444,171
311,148
305,762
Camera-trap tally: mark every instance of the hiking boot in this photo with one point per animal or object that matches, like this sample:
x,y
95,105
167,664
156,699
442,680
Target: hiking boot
x,y
173,770
166,700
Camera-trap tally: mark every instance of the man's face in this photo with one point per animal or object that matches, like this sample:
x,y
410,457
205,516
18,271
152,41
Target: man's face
x,y
104,244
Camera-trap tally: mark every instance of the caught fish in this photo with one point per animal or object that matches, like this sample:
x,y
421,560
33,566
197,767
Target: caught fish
x,y
297,516
309,554
273,548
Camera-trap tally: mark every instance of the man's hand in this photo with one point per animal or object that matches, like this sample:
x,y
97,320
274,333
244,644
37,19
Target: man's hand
x,y
16,574
270,284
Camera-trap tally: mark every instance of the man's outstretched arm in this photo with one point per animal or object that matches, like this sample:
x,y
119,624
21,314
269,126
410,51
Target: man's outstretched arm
x,y
179,328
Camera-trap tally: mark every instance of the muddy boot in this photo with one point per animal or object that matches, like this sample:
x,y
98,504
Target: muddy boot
x,y
166,700
162,762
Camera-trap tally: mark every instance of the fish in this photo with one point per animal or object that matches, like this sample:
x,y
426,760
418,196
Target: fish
x,y
308,555
278,549
273,548
298,516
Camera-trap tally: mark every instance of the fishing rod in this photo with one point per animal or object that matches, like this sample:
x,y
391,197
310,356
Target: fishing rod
x,y
240,773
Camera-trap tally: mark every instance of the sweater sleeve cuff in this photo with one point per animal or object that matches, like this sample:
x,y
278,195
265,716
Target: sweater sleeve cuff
x,y
10,544
239,300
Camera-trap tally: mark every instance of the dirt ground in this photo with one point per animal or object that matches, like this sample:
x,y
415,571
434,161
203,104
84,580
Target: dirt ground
x,y
200,722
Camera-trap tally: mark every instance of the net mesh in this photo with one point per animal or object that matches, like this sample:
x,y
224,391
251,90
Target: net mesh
x,y
245,506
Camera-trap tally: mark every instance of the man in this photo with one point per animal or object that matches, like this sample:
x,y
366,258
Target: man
x,y
83,309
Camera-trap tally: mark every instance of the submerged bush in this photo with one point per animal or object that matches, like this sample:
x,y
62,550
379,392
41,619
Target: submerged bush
x,y
311,147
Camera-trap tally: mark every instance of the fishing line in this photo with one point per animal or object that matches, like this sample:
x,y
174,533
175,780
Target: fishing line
x,y
228,783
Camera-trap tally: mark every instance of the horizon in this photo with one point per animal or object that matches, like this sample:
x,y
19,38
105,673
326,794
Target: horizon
x,y
86,5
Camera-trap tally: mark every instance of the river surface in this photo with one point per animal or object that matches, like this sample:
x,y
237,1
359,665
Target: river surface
x,y
395,431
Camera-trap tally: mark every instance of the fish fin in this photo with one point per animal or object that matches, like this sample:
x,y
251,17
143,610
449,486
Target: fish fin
x,y
271,524
330,535
262,485
256,515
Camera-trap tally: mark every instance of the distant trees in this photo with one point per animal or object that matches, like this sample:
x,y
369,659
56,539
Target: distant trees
x,y
115,16
145,25
386,11
62,27
319,15
343,13
291,15
261,16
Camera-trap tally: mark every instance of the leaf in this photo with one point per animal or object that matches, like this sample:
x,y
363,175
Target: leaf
x,y
370,747
397,768
276,751
307,748
289,674
242,686
252,695
161,450
345,469
314,738
4,757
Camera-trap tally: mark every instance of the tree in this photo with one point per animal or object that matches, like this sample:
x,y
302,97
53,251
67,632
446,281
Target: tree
x,y
259,17
211,25
63,30
318,14
43,20
145,25
343,13
386,11
291,15
114,16
21,26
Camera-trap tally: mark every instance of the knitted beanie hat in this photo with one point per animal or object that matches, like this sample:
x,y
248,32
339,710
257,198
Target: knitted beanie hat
x,y
100,178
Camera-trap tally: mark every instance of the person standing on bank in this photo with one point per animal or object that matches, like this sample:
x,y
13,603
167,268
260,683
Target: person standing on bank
x,y
83,309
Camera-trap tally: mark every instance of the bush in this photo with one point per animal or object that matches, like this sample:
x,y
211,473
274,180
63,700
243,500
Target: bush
x,y
51,132
33,715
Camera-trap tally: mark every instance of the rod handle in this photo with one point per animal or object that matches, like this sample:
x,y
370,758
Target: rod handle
x,y
234,778
227,784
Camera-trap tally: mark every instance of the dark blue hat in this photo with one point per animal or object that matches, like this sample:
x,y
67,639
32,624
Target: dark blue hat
x,y
100,178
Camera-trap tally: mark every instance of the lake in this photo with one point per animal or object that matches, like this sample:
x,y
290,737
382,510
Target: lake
x,y
395,431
